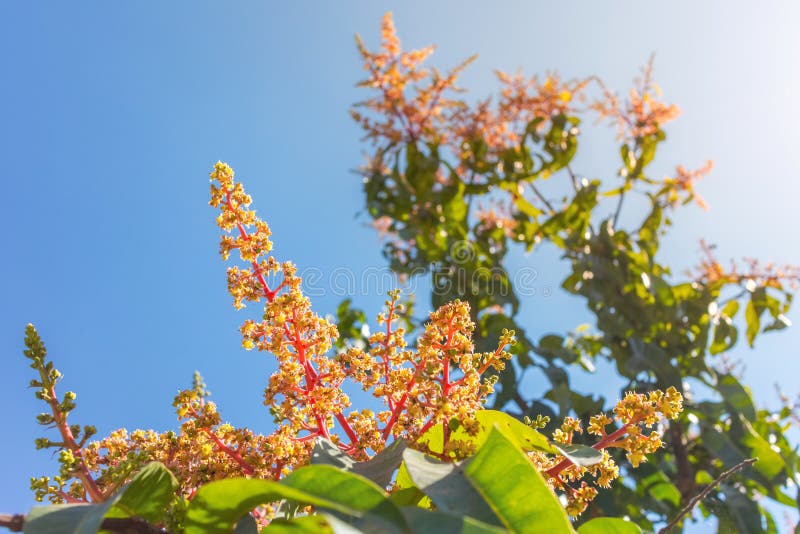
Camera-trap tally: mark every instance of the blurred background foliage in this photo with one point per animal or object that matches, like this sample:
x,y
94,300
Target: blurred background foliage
x,y
453,186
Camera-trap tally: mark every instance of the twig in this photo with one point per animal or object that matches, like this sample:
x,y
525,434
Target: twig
x,y
122,525
703,494
14,522
523,405
737,296
542,198
619,205
573,178
471,195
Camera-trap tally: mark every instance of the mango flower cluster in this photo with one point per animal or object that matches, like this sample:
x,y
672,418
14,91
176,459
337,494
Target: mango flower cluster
x,y
441,381
413,103
751,275
422,388
636,414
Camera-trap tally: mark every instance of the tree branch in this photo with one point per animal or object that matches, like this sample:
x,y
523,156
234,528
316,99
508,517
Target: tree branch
x,y
573,178
703,494
14,522
542,198
685,482
619,204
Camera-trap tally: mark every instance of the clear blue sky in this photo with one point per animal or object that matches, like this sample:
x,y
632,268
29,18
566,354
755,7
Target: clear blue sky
x,y
113,114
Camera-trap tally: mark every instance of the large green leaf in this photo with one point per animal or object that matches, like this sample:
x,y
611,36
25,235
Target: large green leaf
x,y
609,525
447,486
146,496
66,518
514,489
328,453
736,396
311,524
770,463
518,432
217,506
406,493
246,525
425,521
348,489
379,469
737,513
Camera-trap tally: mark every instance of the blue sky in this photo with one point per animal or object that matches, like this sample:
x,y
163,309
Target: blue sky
x,y
113,114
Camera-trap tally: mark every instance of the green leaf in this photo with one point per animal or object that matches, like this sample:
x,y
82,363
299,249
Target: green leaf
x,y
447,486
327,452
420,171
609,525
753,319
526,438
66,518
338,526
514,489
311,524
579,454
736,396
217,506
660,487
381,467
147,495
406,493
246,525
738,513
770,463
526,207
780,323
725,336
347,489
425,521
455,209
731,309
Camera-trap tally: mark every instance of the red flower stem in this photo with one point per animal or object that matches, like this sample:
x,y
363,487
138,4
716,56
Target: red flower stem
x,y
69,498
427,425
60,420
445,393
309,437
394,408
347,429
235,456
276,472
401,404
482,369
446,380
